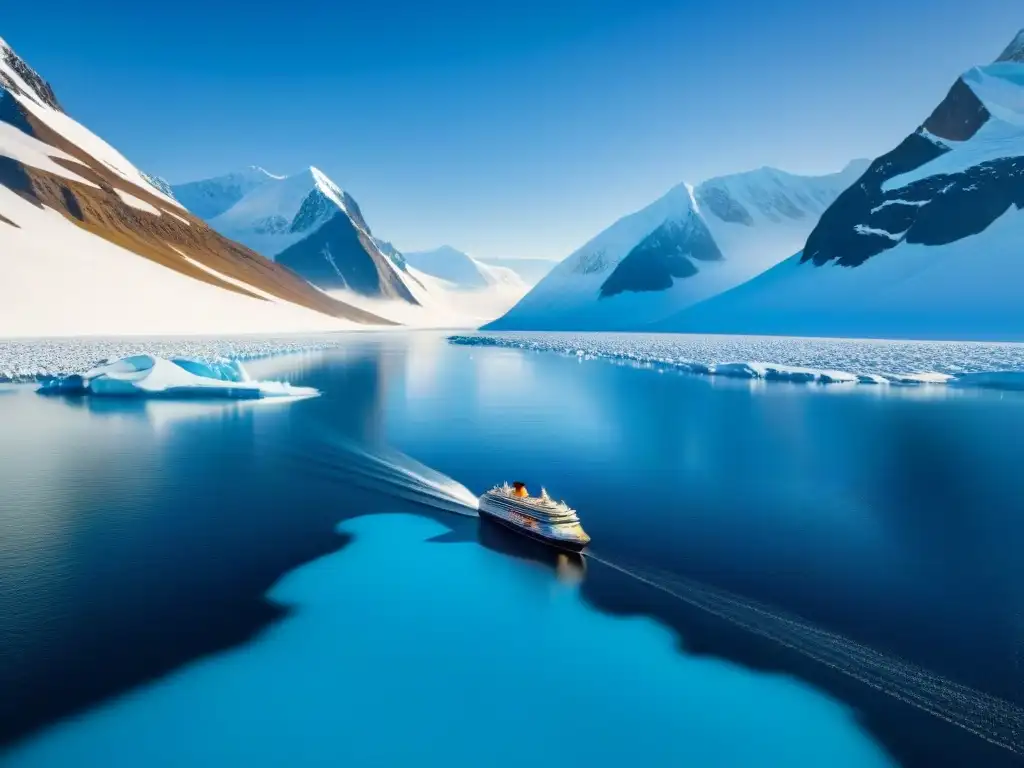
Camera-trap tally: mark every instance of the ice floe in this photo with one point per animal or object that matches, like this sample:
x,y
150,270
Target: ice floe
x,y
809,361
26,360
152,376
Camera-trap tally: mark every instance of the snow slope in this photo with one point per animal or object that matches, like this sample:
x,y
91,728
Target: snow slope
x,y
692,243
463,270
928,245
58,279
262,217
19,82
440,303
90,245
531,271
211,197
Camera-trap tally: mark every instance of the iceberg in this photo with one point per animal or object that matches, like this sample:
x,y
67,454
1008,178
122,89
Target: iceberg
x,y
151,376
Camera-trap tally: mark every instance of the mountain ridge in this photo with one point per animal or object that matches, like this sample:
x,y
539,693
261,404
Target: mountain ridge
x,y
690,243
306,222
925,245
80,207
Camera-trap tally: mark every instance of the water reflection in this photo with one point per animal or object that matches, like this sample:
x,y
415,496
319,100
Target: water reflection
x,y
570,568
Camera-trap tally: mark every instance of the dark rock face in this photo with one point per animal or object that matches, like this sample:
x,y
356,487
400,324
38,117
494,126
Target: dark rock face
x,y
71,203
1015,50
11,112
15,178
389,250
960,115
41,89
721,204
338,255
936,210
352,209
836,236
663,256
316,207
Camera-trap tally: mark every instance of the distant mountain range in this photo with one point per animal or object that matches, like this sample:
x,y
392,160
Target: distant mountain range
x,y
89,244
530,270
693,243
929,243
922,242
306,223
462,270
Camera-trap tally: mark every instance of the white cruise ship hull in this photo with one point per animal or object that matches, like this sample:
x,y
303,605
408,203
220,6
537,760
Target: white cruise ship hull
x,y
567,536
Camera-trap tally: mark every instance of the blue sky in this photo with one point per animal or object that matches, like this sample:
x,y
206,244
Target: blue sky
x,y
504,128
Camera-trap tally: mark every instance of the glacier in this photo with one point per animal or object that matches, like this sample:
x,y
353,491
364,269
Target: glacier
x,y
942,365
147,375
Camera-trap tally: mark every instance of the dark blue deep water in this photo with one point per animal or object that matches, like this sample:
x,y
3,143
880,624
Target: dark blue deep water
x,y
784,575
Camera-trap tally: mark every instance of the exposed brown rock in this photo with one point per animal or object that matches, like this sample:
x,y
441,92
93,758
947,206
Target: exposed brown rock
x,y
103,213
959,116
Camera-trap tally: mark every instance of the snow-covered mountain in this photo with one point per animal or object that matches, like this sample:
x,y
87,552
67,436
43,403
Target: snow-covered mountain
x,y
530,270
692,243
91,245
928,244
211,197
463,271
306,223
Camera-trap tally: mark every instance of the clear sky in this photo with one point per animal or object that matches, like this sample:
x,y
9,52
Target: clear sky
x,y
504,128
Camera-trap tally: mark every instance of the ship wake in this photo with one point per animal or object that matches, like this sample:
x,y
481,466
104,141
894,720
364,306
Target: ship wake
x,y
995,720
384,470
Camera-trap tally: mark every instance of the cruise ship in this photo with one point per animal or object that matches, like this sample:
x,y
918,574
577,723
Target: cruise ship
x,y
538,517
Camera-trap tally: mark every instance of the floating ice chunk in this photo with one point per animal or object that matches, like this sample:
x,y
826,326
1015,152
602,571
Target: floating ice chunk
x,y
1012,380
151,376
925,377
776,372
871,378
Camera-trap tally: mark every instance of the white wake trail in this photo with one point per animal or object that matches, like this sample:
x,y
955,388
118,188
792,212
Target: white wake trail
x,y
383,469
993,719
988,717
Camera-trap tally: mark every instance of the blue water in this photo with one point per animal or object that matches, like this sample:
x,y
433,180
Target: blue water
x,y
457,656
173,590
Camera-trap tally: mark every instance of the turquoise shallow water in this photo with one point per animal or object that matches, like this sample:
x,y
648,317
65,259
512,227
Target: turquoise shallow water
x,y
398,650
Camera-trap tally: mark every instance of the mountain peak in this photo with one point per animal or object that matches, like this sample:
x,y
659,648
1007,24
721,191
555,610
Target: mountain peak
x,y
450,250
325,185
19,78
1015,50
